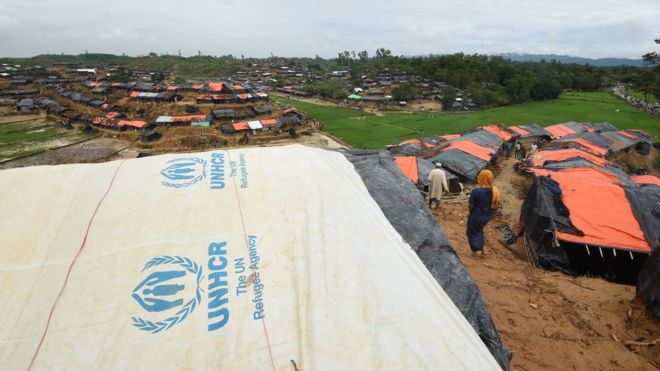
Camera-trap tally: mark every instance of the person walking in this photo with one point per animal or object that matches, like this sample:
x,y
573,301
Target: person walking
x,y
508,147
517,150
437,185
483,200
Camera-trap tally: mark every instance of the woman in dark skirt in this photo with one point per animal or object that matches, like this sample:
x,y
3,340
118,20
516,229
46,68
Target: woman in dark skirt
x,y
483,201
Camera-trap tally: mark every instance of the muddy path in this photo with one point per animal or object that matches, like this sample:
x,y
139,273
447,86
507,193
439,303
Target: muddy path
x,y
547,319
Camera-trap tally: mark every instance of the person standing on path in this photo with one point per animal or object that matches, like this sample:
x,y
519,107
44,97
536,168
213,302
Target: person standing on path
x,y
437,185
483,200
508,147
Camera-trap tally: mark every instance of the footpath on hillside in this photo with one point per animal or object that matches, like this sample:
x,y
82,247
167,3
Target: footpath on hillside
x,y
547,319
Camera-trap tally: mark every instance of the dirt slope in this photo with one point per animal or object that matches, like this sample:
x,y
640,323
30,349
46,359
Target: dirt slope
x,y
547,319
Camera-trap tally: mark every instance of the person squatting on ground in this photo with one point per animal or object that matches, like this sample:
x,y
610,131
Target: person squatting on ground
x,y
437,185
483,200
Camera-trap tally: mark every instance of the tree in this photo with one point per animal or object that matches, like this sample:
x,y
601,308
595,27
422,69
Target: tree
x,y
449,96
405,91
649,79
363,55
382,53
652,57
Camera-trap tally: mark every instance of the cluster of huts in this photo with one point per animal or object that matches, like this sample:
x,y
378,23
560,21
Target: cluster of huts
x,y
583,214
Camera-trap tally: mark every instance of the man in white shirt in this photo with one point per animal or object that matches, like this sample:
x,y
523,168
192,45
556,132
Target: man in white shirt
x,y
437,185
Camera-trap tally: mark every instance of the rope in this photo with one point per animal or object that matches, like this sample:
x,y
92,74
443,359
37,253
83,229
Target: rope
x,y
73,262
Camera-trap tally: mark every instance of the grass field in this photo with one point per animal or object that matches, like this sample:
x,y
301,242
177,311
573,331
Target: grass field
x,y
640,95
27,137
365,130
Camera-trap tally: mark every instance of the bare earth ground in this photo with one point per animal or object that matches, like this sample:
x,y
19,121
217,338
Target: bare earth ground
x,y
547,319
94,150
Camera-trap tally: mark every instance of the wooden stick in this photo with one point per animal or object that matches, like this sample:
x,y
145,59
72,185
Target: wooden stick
x,y
642,343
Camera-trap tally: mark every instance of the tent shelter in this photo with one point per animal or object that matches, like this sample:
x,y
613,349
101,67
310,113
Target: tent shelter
x,y
208,279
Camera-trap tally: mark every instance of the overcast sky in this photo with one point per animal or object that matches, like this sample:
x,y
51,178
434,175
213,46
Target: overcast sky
x,y
590,28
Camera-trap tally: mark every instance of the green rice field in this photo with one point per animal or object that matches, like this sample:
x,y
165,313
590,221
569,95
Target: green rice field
x,y
365,130
20,138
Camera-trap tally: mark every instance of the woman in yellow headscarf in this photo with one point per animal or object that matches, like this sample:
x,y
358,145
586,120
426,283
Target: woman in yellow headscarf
x,y
483,200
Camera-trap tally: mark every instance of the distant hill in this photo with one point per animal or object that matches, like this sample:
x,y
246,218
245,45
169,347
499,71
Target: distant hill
x,y
601,62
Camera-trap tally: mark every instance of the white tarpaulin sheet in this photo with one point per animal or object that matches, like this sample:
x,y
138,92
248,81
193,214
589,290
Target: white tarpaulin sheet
x,y
248,259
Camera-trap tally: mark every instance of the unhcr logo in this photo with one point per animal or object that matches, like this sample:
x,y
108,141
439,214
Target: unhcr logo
x,y
172,290
162,293
184,172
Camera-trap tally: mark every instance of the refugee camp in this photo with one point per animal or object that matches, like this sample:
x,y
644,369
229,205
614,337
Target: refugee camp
x,y
330,186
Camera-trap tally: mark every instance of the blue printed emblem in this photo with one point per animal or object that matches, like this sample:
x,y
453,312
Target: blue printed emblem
x,y
161,292
184,172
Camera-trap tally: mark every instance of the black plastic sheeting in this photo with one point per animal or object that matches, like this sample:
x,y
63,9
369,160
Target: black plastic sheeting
x,y
409,149
483,138
461,163
603,126
406,211
576,126
646,206
535,130
645,203
591,137
543,212
648,288
621,142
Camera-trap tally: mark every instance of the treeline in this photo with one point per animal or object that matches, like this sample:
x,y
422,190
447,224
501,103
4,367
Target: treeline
x,y
490,80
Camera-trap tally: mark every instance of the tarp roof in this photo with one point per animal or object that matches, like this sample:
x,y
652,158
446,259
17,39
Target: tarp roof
x,y
599,208
133,123
216,86
495,129
450,136
589,146
408,166
461,163
163,292
646,179
269,122
241,125
559,130
519,130
472,148
543,156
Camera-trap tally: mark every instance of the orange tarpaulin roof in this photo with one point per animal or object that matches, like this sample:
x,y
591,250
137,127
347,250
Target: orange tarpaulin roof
x,y
216,86
599,208
519,130
559,130
472,148
134,94
135,123
268,122
625,133
646,179
241,125
498,131
171,88
408,166
543,156
450,136
590,147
